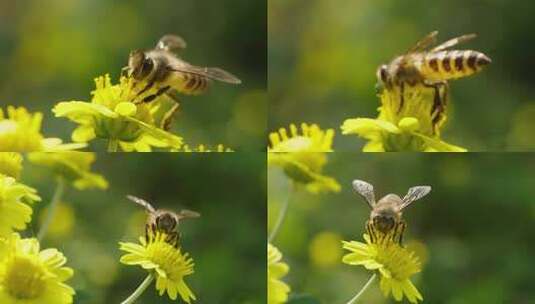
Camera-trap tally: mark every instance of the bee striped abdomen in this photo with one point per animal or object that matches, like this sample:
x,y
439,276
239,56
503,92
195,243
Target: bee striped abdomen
x,y
453,64
194,84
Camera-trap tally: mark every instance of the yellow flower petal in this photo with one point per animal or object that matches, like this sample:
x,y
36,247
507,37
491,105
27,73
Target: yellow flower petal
x,y
15,213
367,127
10,164
277,290
126,109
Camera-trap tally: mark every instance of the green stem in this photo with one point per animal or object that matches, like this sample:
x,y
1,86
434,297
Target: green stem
x,y
357,296
113,145
58,193
139,290
281,217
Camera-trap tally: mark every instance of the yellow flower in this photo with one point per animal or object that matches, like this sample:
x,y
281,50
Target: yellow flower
x,y
20,131
277,289
394,263
163,260
115,113
410,128
74,167
10,164
302,156
14,210
29,275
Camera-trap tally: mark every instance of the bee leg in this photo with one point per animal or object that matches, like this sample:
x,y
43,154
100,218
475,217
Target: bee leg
x,y
370,230
173,97
439,101
442,100
159,93
148,232
402,225
402,96
173,239
124,71
168,117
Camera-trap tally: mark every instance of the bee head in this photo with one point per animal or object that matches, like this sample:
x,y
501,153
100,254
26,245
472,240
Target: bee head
x,y
382,75
167,221
384,222
139,65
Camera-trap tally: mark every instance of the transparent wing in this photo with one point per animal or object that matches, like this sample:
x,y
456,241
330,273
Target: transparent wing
x,y
414,194
212,73
141,202
188,214
453,42
366,190
171,43
424,43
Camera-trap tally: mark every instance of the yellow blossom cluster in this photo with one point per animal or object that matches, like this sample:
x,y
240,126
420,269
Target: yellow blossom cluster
x,y
28,274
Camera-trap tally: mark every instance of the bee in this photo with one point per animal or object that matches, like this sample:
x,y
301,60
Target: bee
x,y
161,220
161,68
432,68
386,215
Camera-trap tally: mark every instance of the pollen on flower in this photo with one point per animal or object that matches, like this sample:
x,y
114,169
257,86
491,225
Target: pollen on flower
x,y
27,284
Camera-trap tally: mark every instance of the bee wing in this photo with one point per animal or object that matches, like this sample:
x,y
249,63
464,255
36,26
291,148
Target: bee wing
x,y
414,194
188,214
141,202
171,43
366,190
212,73
453,42
424,43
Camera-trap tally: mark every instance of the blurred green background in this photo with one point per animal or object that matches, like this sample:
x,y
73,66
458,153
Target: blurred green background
x,y
52,50
474,231
224,242
323,56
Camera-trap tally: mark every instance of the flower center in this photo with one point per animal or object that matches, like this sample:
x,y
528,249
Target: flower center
x,y
164,255
24,279
398,260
